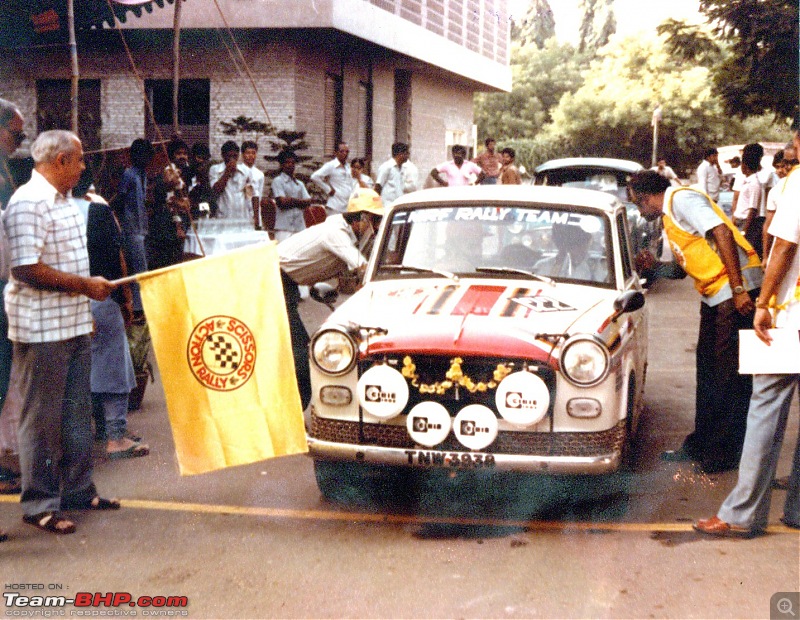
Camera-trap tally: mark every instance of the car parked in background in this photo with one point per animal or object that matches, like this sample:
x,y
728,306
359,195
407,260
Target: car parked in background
x,y
498,327
607,175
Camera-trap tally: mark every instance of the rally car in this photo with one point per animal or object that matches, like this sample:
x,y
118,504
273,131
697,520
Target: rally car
x,y
498,327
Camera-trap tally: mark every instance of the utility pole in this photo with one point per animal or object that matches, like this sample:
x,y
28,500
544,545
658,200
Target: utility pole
x,y
176,65
657,117
73,52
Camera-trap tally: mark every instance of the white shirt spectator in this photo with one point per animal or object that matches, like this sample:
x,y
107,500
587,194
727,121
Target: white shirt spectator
x,y
255,180
335,175
396,180
775,194
708,179
232,203
751,197
668,173
288,221
786,225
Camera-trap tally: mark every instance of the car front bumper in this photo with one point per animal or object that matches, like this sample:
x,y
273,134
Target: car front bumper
x,y
423,458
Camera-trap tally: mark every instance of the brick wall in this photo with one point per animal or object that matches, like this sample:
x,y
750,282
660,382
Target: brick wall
x,y
382,113
437,106
22,92
289,73
123,110
481,26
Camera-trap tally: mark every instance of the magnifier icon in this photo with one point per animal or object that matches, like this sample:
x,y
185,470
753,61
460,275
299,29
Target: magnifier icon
x,y
785,607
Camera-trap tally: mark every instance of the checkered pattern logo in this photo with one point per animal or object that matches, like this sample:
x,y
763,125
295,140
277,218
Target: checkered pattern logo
x,y
221,353
224,351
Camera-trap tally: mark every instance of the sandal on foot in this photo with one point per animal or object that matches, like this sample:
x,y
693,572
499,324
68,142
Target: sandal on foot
x,y
10,487
51,521
133,436
136,450
3,536
96,503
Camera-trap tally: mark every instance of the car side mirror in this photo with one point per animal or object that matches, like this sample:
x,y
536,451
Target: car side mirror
x,y
629,301
325,294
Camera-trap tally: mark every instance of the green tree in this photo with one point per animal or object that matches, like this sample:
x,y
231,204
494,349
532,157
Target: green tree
x,y
597,24
759,70
610,114
247,127
540,78
537,27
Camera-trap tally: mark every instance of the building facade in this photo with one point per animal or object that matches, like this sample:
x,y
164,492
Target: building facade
x,y
368,72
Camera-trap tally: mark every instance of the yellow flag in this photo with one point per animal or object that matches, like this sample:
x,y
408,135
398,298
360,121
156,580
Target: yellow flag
x,y
221,340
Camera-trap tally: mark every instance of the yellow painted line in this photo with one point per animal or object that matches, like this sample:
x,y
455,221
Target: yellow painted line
x,y
366,517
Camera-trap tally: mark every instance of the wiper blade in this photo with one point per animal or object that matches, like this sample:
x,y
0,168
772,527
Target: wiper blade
x,y
438,272
523,272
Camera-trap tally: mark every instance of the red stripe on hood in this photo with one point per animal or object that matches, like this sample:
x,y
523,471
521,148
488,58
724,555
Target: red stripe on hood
x,y
478,300
471,342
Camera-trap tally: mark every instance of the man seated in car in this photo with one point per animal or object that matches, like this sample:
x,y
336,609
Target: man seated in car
x,y
572,259
462,250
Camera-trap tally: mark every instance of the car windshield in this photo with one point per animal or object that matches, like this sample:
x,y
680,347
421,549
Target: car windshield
x,y
542,241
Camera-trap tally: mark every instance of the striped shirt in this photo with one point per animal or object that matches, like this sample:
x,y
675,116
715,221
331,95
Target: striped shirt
x,y
43,226
320,252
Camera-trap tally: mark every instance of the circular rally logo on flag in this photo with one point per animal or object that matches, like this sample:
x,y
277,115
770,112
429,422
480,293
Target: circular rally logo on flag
x,y
221,353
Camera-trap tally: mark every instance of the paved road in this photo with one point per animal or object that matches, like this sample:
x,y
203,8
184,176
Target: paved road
x,y
259,542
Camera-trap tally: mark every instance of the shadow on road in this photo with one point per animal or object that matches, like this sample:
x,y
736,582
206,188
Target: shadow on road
x,y
477,501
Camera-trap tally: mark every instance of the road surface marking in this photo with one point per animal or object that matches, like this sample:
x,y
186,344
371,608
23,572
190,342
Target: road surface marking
x,y
365,517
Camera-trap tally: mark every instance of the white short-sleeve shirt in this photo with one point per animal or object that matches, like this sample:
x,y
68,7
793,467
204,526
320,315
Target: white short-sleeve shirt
x,y
44,226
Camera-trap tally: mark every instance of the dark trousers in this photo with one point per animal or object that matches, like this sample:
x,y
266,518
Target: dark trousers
x,y
300,338
754,235
723,395
55,430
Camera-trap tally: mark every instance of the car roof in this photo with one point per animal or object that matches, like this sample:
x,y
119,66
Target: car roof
x,y
523,194
624,165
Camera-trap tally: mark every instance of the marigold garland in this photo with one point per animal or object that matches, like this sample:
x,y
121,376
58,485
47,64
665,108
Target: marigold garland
x,y
454,376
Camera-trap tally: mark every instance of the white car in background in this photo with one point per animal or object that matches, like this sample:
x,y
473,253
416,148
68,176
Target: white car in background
x,y
498,327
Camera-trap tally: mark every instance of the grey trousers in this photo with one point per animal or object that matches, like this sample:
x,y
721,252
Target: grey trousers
x,y
55,433
748,504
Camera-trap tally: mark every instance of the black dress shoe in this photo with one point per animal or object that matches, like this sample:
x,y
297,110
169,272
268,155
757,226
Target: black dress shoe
x,y
675,456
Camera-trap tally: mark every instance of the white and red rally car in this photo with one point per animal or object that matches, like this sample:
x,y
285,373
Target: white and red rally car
x,y
498,327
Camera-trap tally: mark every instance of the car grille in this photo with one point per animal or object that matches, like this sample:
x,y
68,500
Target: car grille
x,y
433,369
507,442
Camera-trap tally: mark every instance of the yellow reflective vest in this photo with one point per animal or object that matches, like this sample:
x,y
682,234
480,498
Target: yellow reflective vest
x,y
697,256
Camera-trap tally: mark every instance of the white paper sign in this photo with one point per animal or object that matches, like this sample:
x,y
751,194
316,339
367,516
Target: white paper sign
x,y
781,357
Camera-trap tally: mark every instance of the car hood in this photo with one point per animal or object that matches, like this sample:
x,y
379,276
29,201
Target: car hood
x,y
475,317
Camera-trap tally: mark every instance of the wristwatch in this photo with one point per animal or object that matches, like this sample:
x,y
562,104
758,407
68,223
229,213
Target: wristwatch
x,y
738,290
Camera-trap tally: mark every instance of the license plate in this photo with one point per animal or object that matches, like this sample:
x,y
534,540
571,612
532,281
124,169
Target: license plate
x,y
455,460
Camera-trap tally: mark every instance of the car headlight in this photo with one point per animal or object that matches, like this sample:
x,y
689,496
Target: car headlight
x,y
584,361
333,351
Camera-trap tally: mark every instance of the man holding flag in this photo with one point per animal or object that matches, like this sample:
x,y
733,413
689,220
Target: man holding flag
x,y
50,322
